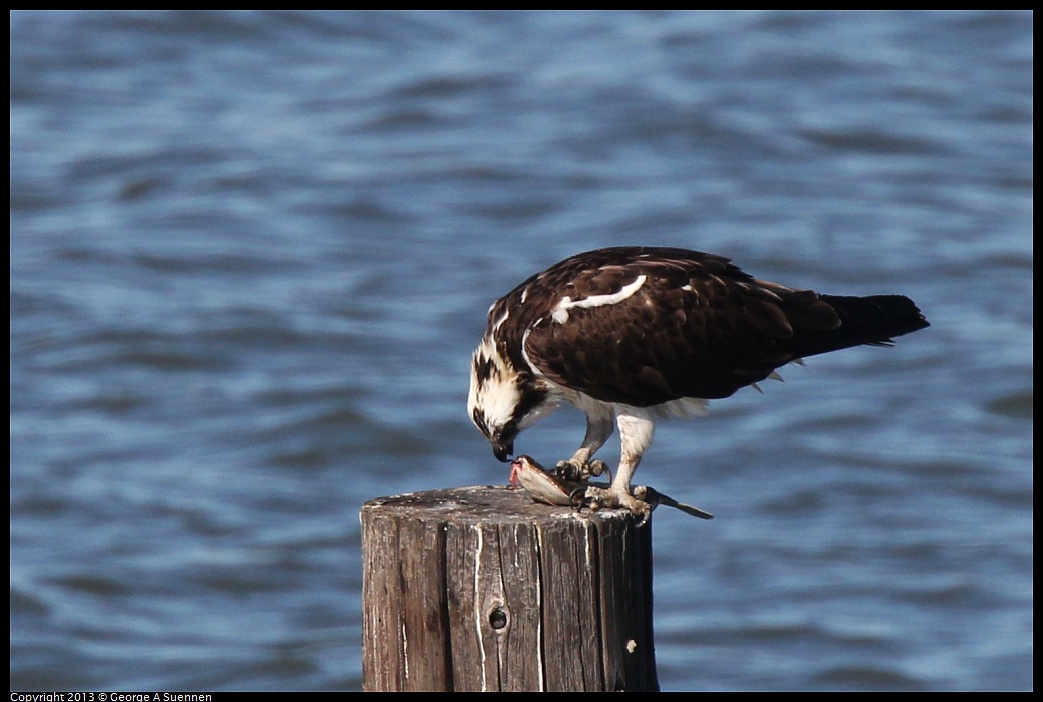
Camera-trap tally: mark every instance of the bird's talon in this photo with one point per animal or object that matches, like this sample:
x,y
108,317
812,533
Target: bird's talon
x,y
575,471
578,498
608,498
596,468
566,470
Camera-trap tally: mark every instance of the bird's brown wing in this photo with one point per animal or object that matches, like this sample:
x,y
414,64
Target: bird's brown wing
x,y
696,327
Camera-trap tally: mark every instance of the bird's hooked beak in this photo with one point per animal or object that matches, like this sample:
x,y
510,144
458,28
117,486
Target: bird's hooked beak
x,y
503,451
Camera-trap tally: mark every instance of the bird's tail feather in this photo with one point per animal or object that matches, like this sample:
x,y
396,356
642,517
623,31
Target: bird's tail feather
x,y
874,320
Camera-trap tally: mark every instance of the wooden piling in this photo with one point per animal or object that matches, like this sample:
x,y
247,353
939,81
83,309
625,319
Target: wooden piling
x,y
479,588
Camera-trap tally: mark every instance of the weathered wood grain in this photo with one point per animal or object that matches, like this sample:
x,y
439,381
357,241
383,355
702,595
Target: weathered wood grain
x,y
481,589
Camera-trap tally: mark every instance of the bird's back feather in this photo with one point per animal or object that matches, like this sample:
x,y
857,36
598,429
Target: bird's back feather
x,y
644,326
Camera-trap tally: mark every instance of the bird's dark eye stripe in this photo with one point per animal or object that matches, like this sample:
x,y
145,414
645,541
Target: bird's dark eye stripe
x,y
478,417
483,368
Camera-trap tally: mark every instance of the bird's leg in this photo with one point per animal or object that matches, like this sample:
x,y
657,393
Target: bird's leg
x,y
636,429
580,467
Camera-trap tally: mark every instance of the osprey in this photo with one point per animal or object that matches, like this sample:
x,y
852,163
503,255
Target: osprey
x,y
631,333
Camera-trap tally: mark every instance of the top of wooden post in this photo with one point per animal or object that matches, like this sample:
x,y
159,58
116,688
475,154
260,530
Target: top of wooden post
x,y
479,503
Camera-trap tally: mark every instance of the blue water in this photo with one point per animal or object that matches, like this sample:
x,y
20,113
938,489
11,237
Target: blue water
x,y
251,253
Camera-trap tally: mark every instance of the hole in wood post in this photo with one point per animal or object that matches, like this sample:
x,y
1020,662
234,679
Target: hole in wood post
x,y
498,618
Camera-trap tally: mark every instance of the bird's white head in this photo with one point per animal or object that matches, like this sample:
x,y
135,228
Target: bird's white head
x,y
502,399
